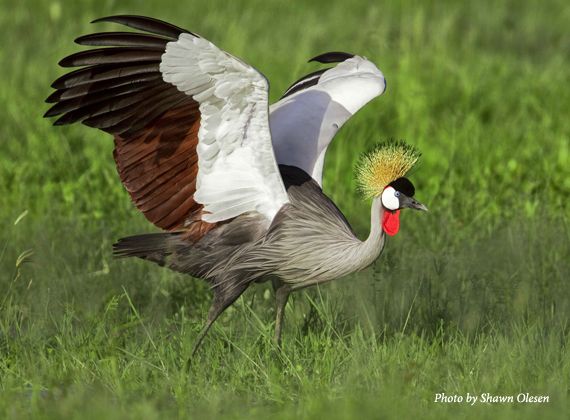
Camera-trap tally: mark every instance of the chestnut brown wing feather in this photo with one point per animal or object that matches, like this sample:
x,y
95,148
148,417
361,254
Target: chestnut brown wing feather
x,y
120,90
158,167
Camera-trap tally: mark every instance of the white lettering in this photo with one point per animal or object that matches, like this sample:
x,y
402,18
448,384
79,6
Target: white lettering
x,y
525,397
488,398
471,399
444,398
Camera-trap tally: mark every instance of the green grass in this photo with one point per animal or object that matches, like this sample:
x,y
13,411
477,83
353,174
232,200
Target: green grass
x,y
472,297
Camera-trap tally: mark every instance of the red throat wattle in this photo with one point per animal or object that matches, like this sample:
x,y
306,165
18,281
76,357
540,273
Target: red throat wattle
x,y
391,222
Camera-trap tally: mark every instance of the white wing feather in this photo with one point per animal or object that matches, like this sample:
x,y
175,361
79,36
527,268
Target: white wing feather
x,y
304,123
237,168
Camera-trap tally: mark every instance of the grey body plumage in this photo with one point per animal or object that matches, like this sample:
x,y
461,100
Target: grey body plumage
x,y
309,242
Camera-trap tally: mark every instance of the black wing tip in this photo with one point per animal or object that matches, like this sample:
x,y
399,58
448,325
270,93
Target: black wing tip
x,y
66,62
55,111
122,18
60,121
85,39
58,83
332,57
305,82
114,18
161,27
50,113
126,19
80,39
53,97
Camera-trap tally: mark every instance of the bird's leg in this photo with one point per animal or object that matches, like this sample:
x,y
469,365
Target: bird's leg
x,y
281,297
213,313
223,297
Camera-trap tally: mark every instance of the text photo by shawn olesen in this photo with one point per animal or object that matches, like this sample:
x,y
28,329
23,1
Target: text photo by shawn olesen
x,y
218,209
523,397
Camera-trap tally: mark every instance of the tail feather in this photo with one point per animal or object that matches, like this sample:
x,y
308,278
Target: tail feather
x,y
156,247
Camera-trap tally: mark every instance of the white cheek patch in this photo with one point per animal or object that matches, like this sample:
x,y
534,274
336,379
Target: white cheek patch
x,y
389,199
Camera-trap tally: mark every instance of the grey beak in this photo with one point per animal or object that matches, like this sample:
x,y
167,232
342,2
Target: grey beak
x,y
418,206
409,202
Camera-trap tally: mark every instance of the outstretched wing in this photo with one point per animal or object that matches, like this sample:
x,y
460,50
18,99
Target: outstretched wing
x,y
192,140
312,110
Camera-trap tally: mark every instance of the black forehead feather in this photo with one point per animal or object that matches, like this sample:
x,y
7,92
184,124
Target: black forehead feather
x,y
404,185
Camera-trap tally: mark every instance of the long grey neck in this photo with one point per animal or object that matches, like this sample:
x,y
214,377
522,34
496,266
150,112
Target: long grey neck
x,y
371,248
375,240
376,213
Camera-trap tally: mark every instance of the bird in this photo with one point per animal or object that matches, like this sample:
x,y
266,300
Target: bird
x,y
195,149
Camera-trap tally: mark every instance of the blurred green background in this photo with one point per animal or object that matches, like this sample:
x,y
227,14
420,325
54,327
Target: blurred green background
x,y
472,297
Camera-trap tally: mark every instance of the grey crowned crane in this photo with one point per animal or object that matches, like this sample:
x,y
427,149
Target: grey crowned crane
x,y
234,182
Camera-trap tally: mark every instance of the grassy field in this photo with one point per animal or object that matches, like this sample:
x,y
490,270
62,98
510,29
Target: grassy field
x,y
471,298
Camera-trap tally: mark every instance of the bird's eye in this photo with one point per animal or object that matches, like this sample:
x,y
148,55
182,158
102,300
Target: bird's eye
x,y
397,193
